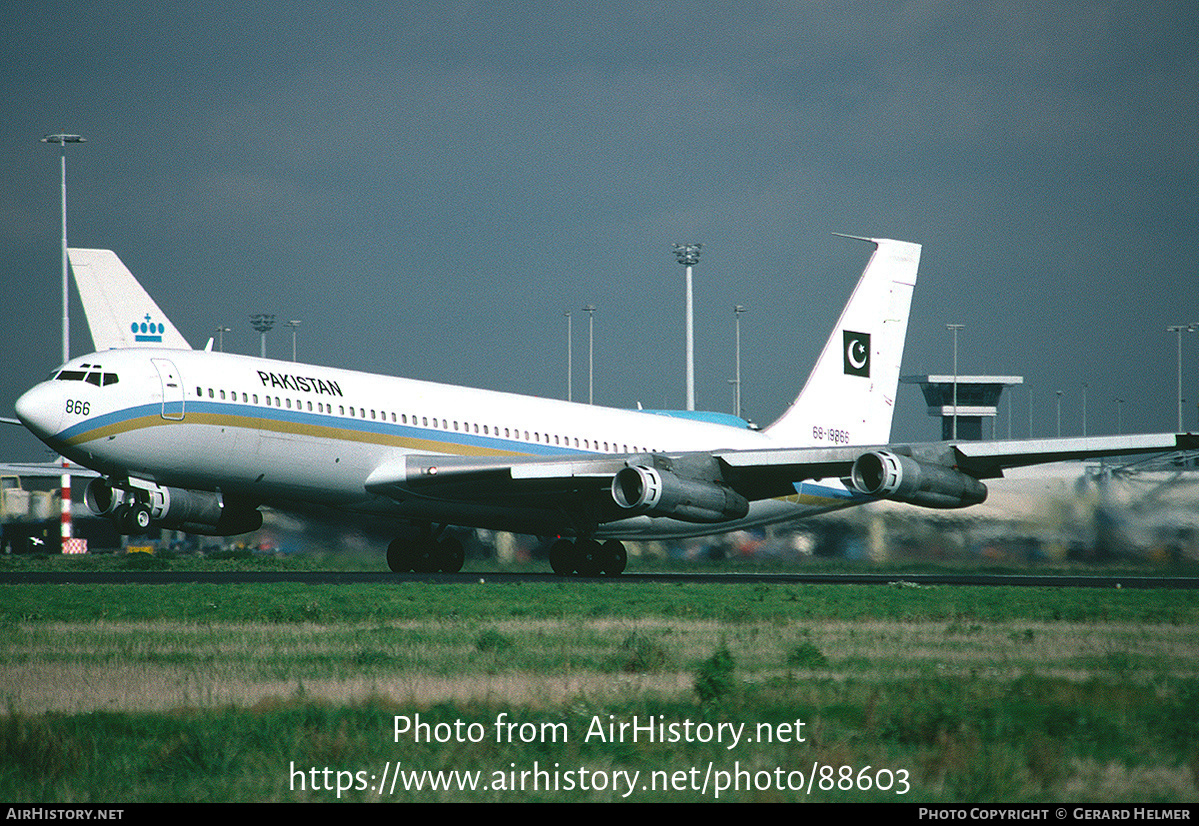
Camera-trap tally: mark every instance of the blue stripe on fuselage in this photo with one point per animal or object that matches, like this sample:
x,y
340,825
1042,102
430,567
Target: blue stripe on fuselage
x,y
212,413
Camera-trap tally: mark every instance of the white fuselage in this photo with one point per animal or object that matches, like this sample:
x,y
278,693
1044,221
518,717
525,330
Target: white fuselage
x,y
289,434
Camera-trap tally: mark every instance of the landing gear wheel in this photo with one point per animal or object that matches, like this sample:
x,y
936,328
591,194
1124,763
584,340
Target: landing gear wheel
x,y
400,556
120,517
425,556
135,520
561,557
452,555
589,557
615,557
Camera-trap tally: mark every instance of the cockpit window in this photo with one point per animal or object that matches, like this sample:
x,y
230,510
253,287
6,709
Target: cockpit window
x,y
94,377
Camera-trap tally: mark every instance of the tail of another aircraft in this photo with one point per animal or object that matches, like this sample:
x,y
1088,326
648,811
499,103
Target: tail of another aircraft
x,y
849,397
120,313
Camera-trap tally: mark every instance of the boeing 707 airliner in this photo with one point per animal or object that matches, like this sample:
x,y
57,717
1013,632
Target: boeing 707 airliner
x,y
199,441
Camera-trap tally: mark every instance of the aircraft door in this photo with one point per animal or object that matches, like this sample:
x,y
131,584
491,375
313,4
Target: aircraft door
x,y
172,389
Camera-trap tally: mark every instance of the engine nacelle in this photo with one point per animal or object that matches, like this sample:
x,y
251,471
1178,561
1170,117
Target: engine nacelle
x,y
904,479
102,498
654,492
193,511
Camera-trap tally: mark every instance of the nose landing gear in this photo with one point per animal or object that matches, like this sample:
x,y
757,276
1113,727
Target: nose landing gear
x,y
132,518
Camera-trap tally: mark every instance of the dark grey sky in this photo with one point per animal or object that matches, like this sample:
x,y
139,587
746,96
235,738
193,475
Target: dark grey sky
x,y
428,186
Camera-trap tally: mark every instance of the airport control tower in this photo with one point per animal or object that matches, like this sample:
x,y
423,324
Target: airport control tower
x,y
977,399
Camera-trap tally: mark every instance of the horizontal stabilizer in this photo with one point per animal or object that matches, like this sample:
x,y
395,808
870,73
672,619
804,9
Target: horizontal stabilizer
x,y
120,313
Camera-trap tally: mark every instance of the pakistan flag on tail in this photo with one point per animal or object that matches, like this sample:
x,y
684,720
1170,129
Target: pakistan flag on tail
x,y
849,397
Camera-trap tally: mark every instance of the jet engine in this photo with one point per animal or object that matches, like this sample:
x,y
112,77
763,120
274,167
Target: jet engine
x,y
193,511
657,492
102,498
904,479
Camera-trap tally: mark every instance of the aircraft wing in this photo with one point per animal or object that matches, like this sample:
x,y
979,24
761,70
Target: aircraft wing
x,y
533,480
987,460
44,470
470,478
760,473
754,474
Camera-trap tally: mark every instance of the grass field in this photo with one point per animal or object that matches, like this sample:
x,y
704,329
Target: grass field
x,y
292,692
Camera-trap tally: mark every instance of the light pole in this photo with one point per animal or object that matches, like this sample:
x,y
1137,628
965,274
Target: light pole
x,y
1119,415
1059,414
1191,328
1084,408
62,140
737,311
688,256
1029,411
294,325
220,332
1009,415
570,368
954,329
262,322
590,310
1179,328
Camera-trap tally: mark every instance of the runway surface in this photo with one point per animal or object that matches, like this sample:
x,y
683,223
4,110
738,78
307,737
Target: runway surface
x,y
383,577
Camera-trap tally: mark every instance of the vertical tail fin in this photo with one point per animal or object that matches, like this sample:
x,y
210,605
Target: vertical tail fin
x,y
849,397
120,313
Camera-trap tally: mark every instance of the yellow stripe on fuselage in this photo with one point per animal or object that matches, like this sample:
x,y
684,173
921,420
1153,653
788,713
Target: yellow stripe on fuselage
x,y
309,430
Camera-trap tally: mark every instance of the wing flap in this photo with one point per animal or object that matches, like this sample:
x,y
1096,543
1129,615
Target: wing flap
x,y
761,474
473,478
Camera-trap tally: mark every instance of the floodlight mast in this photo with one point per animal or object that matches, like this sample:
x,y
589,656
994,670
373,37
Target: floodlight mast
x,y
262,322
954,328
737,311
67,530
688,256
570,367
590,310
294,325
1179,329
62,140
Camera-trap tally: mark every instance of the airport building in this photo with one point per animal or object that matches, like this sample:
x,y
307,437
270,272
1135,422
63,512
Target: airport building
x,y
977,400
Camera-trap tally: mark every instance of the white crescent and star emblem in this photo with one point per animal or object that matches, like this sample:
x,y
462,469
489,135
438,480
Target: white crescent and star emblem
x,y
857,353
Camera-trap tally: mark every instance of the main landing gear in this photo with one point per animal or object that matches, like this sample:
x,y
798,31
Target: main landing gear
x,y
132,518
588,557
426,555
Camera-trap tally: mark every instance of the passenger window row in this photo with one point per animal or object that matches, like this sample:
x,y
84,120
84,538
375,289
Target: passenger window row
x,y
356,412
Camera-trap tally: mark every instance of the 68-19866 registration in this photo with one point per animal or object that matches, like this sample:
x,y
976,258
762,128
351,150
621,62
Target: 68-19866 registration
x,y
836,435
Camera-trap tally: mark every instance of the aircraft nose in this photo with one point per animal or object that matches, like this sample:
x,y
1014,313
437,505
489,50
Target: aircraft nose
x,y
40,410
